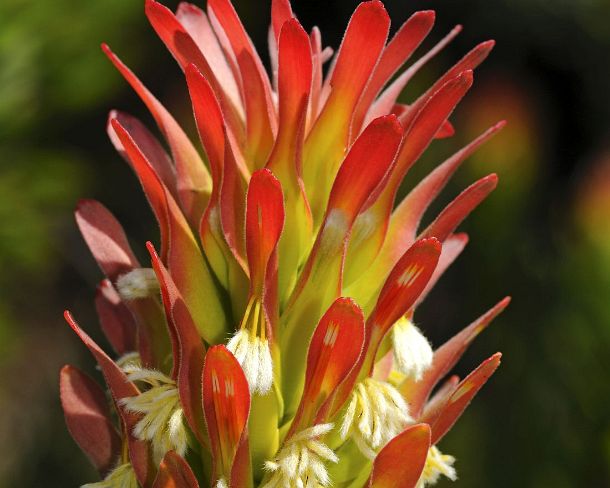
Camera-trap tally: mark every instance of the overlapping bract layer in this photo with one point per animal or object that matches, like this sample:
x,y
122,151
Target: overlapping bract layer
x,y
252,358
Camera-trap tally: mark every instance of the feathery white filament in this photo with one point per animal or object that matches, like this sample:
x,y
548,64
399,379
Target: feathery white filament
x,y
437,464
129,359
375,414
254,356
122,476
301,461
412,351
221,483
137,283
162,422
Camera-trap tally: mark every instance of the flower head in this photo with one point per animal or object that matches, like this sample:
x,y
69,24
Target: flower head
x,y
272,336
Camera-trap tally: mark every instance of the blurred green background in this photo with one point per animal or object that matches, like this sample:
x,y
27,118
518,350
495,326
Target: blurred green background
x,y
543,236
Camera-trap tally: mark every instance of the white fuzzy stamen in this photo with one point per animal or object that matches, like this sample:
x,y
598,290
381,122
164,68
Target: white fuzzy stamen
x,y
375,414
123,476
128,360
437,464
412,351
221,483
138,283
301,462
163,418
254,356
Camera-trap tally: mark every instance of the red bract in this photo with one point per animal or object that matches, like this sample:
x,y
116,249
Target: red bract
x,y
271,341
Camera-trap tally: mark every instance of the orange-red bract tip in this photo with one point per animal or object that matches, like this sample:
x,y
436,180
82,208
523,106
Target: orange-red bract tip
x,y
405,282
401,462
226,405
333,351
174,472
450,412
264,222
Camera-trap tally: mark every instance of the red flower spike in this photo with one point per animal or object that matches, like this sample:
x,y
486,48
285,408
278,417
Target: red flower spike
x,y
401,462
120,387
358,55
396,53
106,239
417,138
445,357
226,404
179,249
468,63
148,143
333,351
447,415
88,418
196,23
407,216
174,472
454,213
261,121
115,318
187,346
193,179
387,100
264,223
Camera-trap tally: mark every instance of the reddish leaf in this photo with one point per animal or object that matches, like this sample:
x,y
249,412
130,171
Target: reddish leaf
x,y
120,387
395,54
358,55
445,357
447,415
468,63
295,74
188,348
404,284
115,318
420,133
333,351
388,97
260,116
401,462
454,213
264,223
150,146
281,12
408,214
106,239
367,162
226,404
193,180
88,418
196,23
174,472
179,249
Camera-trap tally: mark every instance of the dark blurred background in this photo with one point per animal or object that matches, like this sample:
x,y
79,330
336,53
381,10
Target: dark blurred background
x,y
543,236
